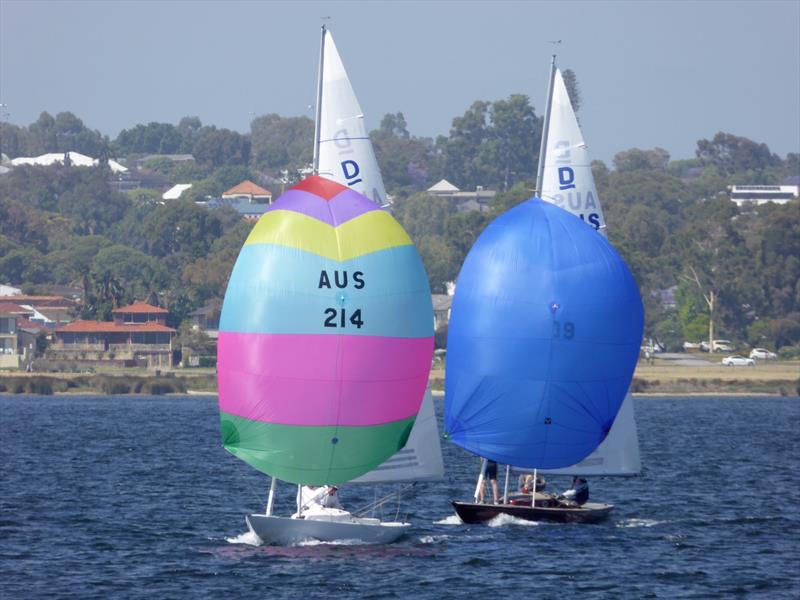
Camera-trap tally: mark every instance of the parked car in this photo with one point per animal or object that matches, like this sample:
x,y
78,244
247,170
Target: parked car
x,y
762,354
738,361
719,346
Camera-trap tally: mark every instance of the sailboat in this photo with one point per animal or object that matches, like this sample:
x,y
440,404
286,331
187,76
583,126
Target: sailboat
x,y
324,351
543,339
339,297
342,148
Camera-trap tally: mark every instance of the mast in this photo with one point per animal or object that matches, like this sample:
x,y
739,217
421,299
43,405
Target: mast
x,y
545,128
318,116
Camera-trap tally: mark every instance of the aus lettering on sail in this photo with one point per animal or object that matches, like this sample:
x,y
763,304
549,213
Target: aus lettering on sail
x,y
574,189
342,316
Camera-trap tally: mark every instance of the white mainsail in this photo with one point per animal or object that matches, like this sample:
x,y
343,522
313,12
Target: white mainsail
x,y
567,181
344,151
420,459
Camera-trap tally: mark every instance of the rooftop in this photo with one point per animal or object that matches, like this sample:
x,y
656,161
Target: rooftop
x,y
109,327
140,307
247,188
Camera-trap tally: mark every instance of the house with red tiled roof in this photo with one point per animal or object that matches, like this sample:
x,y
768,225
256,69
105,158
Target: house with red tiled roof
x,y
50,311
247,190
138,336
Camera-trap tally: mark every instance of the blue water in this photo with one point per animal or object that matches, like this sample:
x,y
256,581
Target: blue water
x,y
133,497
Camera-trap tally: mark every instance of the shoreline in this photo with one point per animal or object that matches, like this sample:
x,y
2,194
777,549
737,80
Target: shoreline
x,y
668,376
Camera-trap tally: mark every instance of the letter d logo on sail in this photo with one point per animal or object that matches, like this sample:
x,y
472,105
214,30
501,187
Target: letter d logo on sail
x,y
350,169
566,178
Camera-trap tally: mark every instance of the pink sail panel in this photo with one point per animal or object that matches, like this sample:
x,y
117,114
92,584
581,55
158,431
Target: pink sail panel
x,y
319,380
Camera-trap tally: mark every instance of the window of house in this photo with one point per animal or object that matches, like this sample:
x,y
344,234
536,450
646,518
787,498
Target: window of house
x,y
8,325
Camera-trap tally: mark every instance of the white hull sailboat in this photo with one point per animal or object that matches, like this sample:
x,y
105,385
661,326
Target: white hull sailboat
x,y
419,460
336,526
329,388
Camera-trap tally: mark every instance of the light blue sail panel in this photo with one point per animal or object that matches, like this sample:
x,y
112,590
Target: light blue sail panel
x,y
283,290
544,335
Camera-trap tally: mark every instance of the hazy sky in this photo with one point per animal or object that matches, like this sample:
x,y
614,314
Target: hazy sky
x,y
651,73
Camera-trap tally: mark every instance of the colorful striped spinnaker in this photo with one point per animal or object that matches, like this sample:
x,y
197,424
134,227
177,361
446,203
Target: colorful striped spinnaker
x,y
326,338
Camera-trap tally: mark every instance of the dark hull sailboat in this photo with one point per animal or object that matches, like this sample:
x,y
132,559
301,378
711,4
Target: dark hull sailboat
x,y
473,513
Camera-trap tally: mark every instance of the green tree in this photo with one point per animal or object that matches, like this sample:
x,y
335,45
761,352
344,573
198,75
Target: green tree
x,y
22,266
573,89
492,144
281,143
153,138
439,262
408,164
181,227
636,159
423,215
218,147
732,154
75,259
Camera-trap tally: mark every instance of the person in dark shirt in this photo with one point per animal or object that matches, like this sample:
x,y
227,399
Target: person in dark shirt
x,y
578,492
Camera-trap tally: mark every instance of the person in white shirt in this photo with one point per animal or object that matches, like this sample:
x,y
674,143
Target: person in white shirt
x,y
325,496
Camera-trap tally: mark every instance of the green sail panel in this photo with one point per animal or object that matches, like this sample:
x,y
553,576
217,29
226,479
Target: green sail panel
x,y
277,450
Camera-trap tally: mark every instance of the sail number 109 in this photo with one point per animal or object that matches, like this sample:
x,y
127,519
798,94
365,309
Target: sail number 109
x,y
338,317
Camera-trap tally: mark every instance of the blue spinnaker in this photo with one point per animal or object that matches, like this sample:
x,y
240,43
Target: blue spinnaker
x,y
543,339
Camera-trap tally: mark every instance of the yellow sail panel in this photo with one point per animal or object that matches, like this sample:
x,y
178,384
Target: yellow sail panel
x,y
373,231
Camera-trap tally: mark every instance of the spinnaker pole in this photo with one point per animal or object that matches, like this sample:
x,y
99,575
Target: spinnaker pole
x,y
545,128
318,117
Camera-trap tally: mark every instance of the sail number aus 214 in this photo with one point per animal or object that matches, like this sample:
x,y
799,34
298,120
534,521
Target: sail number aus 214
x,y
342,317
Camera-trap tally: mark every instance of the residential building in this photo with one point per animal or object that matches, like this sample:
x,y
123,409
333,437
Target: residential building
x,y
49,311
250,192
176,191
10,314
248,211
754,195
441,310
138,336
206,319
74,159
478,200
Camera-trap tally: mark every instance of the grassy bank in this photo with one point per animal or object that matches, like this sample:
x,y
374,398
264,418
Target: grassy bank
x,y
666,377
661,377
106,384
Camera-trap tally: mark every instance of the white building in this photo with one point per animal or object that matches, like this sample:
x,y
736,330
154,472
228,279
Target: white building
x,y
175,191
755,195
76,159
